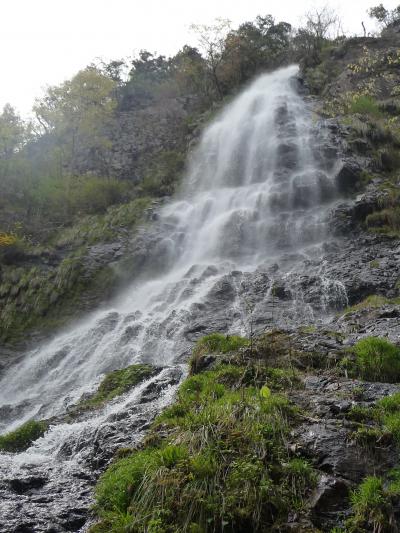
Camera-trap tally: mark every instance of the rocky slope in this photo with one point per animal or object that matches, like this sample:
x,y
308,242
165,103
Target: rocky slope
x,y
302,316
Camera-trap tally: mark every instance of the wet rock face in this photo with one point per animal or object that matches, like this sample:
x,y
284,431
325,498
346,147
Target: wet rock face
x,y
326,439
54,494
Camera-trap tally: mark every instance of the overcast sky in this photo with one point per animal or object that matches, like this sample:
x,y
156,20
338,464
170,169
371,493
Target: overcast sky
x,y
43,42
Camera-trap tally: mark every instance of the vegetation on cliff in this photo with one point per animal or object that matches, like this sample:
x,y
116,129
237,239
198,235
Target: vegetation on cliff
x,y
225,455
217,459
114,384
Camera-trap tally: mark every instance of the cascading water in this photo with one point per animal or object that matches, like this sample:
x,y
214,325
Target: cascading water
x,y
256,189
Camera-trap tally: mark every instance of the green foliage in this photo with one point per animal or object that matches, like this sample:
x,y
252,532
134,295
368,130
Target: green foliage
x,y
217,343
368,437
383,421
377,359
102,228
371,506
20,439
221,459
28,293
365,105
116,383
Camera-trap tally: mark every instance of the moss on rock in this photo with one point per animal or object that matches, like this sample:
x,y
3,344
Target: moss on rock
x,y
116,383
21,438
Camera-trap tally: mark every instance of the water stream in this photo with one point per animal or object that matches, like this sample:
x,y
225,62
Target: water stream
x,y
256,189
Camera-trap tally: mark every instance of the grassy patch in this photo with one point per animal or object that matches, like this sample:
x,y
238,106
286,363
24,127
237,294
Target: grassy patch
x,y
383,421
215,343
221,462
372,507
377,359
364,105
104,227
116,383
372,302
385,222
21,438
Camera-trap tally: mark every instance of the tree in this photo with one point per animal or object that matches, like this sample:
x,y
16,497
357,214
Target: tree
x,y
321,26
78,114
147,74
190,72
384,16
253,47
12,132
212,43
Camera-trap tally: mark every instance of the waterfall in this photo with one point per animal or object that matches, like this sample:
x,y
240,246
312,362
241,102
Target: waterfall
x,y
255,189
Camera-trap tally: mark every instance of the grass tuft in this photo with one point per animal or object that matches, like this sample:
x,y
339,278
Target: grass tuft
x,y
377,359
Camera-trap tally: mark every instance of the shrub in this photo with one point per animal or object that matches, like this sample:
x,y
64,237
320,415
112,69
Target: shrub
x,y
21,438
378,359
164,173
95,195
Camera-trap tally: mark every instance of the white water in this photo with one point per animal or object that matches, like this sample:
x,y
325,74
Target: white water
x,y
253,190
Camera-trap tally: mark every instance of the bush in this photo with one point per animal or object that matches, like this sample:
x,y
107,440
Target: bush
x,y
21,438
377,359
94,195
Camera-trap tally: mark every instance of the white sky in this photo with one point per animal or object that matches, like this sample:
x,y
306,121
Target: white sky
x,y
44,42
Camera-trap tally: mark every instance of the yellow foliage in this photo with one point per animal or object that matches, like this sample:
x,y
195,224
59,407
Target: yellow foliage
x,y
6,239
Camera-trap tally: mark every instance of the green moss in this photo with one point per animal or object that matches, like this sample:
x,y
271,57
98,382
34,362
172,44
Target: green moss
x,y
21,438
221,458
377,359
116,383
